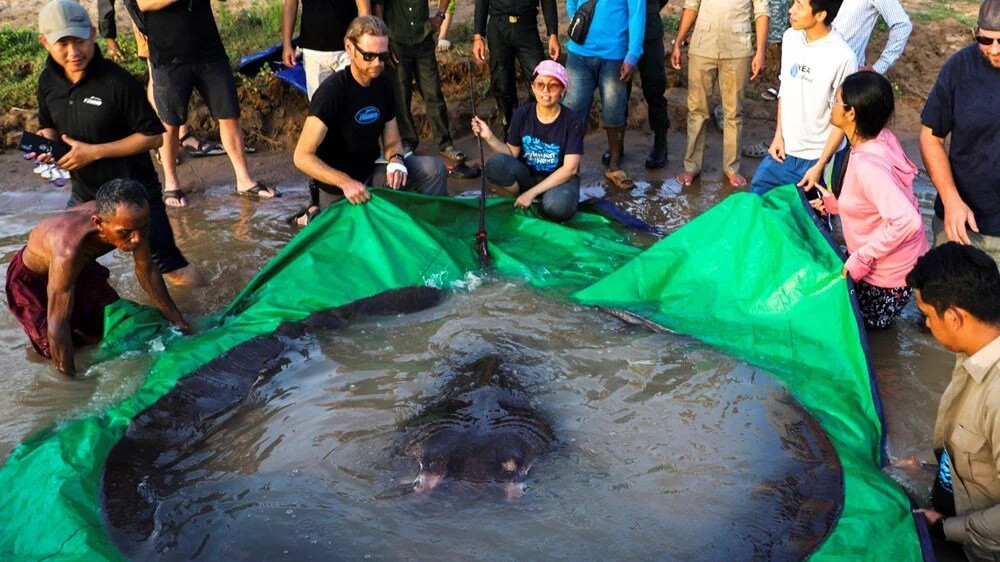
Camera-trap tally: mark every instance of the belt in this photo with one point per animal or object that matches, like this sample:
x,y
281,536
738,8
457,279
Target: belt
x,y
512,18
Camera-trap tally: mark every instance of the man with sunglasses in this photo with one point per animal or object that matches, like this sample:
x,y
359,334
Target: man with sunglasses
x,y
963,104
349,114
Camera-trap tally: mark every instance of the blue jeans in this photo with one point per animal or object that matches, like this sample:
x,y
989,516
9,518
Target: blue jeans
x,y
588,73
771,173
558,203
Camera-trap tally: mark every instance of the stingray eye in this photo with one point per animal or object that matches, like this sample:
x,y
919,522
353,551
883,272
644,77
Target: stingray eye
x,y
510,465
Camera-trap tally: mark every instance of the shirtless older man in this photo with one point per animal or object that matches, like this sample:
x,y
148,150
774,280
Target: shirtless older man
x,y
56,289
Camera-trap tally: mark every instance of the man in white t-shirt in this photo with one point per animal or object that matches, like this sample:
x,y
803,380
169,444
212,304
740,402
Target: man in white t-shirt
x,y
814,61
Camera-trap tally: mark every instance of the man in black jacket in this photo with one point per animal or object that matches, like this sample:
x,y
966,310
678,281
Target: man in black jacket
x,y
511,30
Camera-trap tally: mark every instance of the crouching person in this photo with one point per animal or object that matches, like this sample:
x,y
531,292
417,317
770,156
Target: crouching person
x,y
541,157
57,290
349,114
956,288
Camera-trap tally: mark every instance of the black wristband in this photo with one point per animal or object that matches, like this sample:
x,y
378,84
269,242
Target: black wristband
x,y
937,530
396,155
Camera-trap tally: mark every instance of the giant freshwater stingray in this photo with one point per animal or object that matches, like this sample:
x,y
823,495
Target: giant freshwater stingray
x,y
481,428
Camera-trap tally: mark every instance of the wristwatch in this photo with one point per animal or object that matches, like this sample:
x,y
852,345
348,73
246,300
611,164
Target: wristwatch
x,y
439,15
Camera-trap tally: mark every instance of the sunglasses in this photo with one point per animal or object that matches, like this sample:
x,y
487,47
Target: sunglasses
x,y
546,86
369,57
985,41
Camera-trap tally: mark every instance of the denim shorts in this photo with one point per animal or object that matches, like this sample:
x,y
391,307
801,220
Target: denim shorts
x,y
588,73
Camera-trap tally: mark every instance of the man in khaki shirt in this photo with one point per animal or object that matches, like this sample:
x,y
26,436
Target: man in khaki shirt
x,y
722,46
958,291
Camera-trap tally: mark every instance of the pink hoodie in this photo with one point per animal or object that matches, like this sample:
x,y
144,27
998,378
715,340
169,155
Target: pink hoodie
x,y
882,224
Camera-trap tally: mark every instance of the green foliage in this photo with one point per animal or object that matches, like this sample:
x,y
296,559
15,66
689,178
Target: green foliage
x,y
22,57
941,10
671,22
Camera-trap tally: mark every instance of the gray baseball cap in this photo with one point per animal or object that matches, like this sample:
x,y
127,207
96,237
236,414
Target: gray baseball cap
x,y
63,18
989,15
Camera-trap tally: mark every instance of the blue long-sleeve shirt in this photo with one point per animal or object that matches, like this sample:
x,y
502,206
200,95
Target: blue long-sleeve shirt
x,y
617,31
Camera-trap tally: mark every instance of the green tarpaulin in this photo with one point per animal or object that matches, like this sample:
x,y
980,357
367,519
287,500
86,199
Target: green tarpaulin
x,y
753,276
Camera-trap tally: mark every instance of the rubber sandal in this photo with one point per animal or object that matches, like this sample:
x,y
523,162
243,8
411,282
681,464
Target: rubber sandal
x,y
254,192
303,212
758,150
453,154
174,194
464,171
770,94
203,148
619,179
720,119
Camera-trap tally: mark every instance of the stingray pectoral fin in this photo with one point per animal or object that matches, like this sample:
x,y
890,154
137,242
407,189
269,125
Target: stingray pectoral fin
x,y
396,301
513,490
426,481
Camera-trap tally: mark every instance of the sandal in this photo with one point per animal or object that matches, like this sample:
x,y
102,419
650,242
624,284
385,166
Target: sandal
x,y
770,94
175,194
758,150
453,154
720,119
308,212
619,179
254,192
464,171
202,148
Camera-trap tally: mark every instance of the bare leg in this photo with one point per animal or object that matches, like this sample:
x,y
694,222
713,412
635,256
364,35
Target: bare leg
x,y
187,276
616,141
168,158
232,140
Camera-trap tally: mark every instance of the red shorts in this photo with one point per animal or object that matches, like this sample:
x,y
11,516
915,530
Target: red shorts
x,y
28,297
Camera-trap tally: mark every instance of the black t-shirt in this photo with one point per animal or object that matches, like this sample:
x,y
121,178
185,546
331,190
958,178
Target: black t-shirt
x,y
355,117
184,32
965,102
544,146
106,105
325,22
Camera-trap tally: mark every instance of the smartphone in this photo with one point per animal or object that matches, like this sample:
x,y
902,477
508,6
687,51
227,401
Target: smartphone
x,y
30,142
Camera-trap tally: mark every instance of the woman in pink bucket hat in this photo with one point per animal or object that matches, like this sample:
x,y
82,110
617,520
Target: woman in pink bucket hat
x,y
540,159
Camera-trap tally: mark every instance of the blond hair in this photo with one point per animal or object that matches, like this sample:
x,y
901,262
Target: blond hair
x,y
366,25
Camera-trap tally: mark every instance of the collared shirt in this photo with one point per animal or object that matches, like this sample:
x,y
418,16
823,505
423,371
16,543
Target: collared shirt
x,y
723,29
106,105
856,20
408,20
968,428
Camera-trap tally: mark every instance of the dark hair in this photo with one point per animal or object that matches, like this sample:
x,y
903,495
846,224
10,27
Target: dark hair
x,y
118,191
958,275
831,7
870,95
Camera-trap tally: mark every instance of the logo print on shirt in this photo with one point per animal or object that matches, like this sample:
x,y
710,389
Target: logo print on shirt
x,y
94,101
366,115
540,155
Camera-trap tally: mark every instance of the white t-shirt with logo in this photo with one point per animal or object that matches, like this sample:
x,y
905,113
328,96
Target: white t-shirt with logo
x,y
811,72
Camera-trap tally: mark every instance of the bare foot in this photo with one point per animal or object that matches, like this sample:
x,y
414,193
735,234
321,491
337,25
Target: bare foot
x,y
187,276
306,217
736,180
174,198
686,178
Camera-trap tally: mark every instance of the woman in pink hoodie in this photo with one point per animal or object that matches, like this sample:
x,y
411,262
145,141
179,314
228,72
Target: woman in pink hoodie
x,y
880,215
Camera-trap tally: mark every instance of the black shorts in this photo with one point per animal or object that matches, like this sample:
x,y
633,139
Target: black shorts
x,y
173,84
166,255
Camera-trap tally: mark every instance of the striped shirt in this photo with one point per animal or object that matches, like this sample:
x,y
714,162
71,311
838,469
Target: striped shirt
x,y
856,20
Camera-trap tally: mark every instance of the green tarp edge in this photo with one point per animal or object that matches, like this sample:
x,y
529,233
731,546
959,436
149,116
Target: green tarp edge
x,y
49,497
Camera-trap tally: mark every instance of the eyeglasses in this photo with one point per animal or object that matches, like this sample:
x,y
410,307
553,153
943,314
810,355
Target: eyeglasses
x,y
985,41
546,86
369,57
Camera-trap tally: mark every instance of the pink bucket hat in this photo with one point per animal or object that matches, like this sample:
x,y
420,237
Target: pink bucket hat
x,y
553,69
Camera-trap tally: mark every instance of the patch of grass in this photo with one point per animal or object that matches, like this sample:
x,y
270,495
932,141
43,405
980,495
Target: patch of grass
x,y
941,10
22,57
671,22
880,25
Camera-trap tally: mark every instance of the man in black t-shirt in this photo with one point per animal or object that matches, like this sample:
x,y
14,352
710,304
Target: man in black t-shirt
x,y
963,104
101,111
321,36
349,114
186,53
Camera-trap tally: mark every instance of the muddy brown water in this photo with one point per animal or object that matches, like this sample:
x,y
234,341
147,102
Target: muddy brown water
x,y
645,422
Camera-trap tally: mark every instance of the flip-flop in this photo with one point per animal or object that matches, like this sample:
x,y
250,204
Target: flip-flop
x,y
464,171
254,192
174,194
203,148
770,94
619,179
